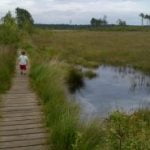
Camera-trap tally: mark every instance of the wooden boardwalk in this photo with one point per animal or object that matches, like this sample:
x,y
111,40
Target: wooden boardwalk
x,y
21,125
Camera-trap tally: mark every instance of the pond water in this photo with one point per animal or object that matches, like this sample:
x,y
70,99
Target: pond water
x,y
115,88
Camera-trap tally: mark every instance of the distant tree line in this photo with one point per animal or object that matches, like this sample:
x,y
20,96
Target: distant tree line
x,y
103,22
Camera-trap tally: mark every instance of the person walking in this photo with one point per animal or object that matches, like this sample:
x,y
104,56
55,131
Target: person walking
x,y
23,62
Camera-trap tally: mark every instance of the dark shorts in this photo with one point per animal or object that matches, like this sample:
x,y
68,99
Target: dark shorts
x,y
23,67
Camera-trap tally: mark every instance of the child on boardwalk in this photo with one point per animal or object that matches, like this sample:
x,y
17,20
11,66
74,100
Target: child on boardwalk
x,y
23,62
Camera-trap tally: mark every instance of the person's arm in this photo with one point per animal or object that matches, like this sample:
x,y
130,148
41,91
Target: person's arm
x,y
27,60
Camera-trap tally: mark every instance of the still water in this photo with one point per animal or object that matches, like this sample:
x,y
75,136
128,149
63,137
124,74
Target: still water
x,y
115,88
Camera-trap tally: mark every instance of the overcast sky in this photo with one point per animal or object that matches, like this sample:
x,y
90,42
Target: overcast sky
x,y
79,11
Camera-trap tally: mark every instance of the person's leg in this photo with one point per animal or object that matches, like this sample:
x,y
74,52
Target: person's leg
x,y
24,69
21,69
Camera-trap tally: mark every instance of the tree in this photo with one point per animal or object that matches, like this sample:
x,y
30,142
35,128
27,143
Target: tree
x,y
24,19
8,19
147,18
99,22
121,22
105,20
142,18
93,22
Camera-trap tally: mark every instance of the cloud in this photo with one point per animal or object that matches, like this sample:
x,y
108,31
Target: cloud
x,y
79,11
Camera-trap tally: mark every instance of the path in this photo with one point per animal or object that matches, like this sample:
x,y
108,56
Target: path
x,y
21,125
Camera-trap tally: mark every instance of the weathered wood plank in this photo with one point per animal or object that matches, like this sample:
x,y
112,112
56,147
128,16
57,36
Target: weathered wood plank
x,y
19,127
28,142
20,118
22,137
21,108
36,147
20,122
22,131
20,104
20,114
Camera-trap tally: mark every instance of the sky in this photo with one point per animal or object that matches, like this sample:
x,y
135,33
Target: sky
x,y
79,11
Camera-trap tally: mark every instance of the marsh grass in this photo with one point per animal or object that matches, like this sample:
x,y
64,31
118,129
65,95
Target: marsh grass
x,y
92,48
7,64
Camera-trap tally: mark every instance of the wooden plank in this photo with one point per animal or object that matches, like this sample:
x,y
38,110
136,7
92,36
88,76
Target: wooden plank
x,y
29,142
23,101
21,114
23,137
20,122
21,108
19,127
22,131
19,118
35,147
20,104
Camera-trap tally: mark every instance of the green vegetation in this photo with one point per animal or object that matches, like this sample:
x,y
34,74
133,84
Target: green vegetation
x,y
7,63
61,115
9,38
9,33
53,53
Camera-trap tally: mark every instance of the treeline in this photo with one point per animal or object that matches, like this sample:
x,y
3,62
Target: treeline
x,y
95,28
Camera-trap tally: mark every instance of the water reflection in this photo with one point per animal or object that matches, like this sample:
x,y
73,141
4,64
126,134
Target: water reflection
x,y
115,88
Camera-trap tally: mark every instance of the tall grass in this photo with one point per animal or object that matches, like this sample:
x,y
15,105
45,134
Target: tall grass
x,y
61,115
7,63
